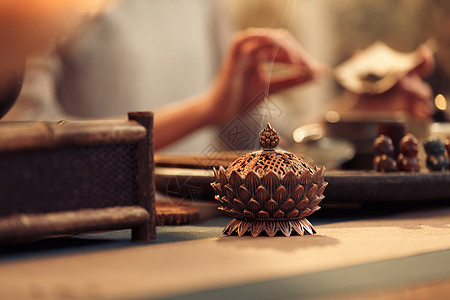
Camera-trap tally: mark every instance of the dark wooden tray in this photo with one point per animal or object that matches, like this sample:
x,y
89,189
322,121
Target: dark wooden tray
x,y
343,187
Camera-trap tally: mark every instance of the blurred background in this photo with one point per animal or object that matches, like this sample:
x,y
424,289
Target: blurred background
x,y
111,57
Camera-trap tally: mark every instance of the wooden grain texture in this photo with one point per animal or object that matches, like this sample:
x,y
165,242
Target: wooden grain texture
x,y
16,136
172,214
146,197
22,227
134,209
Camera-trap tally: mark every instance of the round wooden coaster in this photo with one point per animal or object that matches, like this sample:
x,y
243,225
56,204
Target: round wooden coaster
x,y
171,214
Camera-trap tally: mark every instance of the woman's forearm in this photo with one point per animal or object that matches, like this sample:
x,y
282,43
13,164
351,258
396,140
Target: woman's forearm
x,y
176,121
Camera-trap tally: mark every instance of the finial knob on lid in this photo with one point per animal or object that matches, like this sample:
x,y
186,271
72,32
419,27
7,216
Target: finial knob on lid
x,y
268,138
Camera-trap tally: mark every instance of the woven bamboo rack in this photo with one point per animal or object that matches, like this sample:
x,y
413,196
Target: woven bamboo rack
x,y
63,178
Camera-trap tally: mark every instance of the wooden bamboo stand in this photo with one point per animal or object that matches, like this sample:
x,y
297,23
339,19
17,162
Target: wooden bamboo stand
x,y
66,178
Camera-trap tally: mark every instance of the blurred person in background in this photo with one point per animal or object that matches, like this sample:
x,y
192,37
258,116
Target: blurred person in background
x,y
114,64
30,28
141,55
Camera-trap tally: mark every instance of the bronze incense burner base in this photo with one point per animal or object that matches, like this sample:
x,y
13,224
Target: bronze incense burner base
x,y
270,227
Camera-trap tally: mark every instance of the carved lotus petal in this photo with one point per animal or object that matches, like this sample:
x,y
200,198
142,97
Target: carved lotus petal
x,y
263,214
315,201
232,226
224,200
223,180
321,188
302,204
249,215
287,206
216,175
306,226
236,214
271,206
315,208
305,179
285,227
293,214
271,181
252,181
235,180
229,192
271,228
226,210
216,188
298,227
220,200
312,191
290,181
257,227
281,194
238,204
298,192
319,175
321,196
244,194
254,206
278,214
243,228
262,195
305,212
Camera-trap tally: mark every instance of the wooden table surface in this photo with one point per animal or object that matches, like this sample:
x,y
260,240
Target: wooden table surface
x,y
397,255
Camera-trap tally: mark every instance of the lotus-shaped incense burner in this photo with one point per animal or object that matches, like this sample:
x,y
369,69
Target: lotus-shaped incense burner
x,y
269,191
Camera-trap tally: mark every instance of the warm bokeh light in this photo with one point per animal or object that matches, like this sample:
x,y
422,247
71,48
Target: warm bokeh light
x,y
332,116
309,132
440,102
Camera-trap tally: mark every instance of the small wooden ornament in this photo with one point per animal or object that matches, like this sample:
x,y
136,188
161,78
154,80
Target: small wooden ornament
x,y
172,214
269,191
437,157
407,159
383,160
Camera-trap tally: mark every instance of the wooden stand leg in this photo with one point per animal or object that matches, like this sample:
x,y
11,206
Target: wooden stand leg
x,y
147,231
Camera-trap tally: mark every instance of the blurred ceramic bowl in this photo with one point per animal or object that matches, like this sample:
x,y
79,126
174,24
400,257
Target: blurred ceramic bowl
x,y
313,145
361,129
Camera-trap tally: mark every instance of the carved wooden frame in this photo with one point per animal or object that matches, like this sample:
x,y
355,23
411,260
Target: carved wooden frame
x,y
27,137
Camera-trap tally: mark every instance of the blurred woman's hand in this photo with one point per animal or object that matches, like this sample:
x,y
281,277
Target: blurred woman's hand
x,y
411,94
242,83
